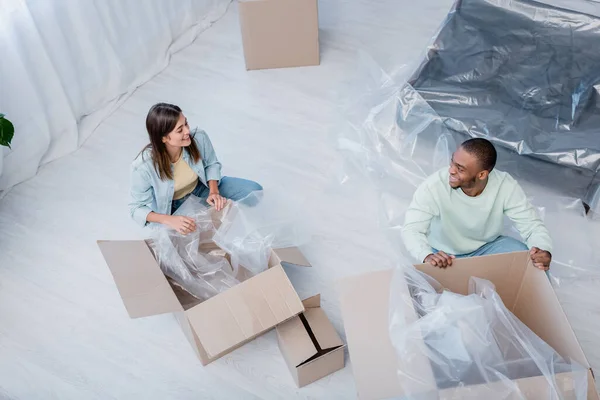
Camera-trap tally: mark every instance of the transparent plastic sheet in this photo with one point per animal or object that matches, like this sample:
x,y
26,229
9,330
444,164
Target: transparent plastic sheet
x,y
468,340
392,135
207,261
395,138
523,74
526,75
257,224
202,274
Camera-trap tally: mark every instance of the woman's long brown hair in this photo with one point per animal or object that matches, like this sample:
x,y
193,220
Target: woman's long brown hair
x,y
162,119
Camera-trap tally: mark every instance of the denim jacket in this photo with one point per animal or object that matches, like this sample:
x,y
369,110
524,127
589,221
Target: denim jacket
x,y
150,193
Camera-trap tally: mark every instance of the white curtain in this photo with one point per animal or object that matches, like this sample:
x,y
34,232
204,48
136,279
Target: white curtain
x,y
65,65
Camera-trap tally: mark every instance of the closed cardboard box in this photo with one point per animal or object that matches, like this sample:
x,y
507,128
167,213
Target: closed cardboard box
x,y
524,289
279,33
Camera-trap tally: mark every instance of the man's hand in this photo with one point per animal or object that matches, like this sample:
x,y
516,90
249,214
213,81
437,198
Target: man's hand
x,y
439,259
541,258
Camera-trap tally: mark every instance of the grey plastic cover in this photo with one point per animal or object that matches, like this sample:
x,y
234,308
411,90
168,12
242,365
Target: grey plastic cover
x,y
525,75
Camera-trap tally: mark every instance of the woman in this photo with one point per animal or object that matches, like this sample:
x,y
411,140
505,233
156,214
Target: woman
x,y
173,166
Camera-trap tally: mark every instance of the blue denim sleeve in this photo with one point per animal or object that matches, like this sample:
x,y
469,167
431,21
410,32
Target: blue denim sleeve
x,y
212,166
141,195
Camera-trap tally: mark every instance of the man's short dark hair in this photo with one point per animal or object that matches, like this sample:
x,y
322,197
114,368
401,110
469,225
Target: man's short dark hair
x,y
484,150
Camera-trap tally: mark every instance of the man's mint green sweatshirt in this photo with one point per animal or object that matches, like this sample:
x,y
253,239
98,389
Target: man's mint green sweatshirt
x,y
448,220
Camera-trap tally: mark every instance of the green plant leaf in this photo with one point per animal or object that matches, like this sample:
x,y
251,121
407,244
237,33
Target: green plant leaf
x,y
7,131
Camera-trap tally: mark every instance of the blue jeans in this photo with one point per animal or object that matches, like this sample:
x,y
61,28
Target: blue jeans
x,y
231,188
503,244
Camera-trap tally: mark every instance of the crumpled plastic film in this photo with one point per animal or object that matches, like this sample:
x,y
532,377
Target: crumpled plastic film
x,y
395,138
257,224
207,261
202,274
450,342
399,143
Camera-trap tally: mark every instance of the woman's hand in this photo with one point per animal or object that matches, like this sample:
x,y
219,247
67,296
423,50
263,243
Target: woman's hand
x,y
216,200
181,224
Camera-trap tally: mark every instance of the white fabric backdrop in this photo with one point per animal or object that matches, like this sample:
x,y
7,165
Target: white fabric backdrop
x,y
65,65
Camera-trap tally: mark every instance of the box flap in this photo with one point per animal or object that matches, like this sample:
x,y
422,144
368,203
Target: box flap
x,y
504,270
291,255
294,342
592,392
364,303
322,328
141,284
312,302
320,367
547,318
307,337
244,311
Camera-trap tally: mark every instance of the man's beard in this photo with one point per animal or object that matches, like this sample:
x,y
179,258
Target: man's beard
x,y
472,182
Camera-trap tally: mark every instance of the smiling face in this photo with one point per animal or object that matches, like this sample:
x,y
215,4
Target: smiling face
x,y
465,170
180,135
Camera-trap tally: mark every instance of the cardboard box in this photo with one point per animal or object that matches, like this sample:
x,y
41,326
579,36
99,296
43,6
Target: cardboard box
x,y
279,33
310,345
215,326
525,290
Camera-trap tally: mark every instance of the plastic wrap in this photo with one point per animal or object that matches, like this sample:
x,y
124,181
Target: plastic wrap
x,y
208,261
525,75
256,225
469,340
393,136
203,274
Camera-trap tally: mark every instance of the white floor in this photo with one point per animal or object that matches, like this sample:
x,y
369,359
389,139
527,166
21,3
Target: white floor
x,y
64,333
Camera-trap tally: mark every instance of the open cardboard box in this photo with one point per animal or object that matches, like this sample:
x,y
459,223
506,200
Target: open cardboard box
x,y
279,33
216,326
310,345
525,290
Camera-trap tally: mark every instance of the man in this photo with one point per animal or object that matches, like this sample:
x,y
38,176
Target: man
x,y
459,212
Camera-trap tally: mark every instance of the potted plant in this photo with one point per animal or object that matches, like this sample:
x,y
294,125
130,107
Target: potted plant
x,y
7,131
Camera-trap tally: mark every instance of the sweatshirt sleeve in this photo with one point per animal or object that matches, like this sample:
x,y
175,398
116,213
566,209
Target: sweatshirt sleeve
x,y
526,219
417,221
